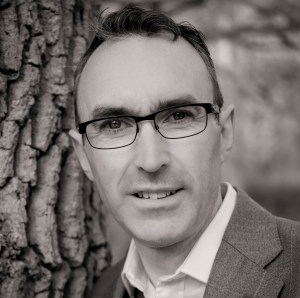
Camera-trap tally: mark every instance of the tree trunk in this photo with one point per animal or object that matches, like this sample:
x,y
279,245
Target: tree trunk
x,y
52,241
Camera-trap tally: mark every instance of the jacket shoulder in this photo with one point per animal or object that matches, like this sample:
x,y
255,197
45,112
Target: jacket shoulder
x,y
289,234
106,284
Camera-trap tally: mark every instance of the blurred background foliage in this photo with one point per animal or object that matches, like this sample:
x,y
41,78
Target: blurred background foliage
x,y
255,45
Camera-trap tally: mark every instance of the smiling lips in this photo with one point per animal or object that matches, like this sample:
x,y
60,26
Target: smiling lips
x,y
155,195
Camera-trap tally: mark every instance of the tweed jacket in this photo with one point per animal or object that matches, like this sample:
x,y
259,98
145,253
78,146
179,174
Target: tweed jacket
x,y
259,257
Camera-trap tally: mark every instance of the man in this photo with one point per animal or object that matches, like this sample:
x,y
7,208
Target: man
x,y
153,135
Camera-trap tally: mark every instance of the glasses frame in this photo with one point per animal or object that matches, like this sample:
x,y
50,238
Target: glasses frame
x,y
210,108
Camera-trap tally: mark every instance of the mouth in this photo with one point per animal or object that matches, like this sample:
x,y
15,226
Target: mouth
x,y
155,195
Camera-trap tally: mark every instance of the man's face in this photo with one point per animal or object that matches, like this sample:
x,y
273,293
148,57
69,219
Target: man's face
x,y
138,73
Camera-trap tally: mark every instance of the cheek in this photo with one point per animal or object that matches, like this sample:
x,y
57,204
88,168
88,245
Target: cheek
x,y
108,168
199,156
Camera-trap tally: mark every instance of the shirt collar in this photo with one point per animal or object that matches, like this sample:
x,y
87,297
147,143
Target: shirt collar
x,y
133,273
200,260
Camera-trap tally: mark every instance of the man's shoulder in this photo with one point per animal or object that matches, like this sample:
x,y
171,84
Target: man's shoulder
x,y
272,242
289,232
289,224
106,284
288,263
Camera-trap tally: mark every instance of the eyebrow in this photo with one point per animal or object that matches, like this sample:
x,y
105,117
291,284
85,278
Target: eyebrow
x,y
102,111
183,100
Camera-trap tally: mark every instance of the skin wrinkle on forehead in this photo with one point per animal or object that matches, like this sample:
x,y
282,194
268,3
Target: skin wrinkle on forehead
x,y
112,45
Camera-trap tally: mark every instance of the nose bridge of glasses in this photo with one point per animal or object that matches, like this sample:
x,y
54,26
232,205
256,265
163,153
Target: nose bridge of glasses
x,y
144,118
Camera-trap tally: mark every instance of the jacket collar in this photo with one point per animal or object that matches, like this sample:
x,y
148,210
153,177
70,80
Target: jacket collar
x,y
250,243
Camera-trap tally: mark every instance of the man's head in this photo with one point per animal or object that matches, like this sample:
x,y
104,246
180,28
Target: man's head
x,y
139,63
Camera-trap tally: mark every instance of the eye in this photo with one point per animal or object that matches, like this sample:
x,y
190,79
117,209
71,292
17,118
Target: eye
x,y
179,115
114,124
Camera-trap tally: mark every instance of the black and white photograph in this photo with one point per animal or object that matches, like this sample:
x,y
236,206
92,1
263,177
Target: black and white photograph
x,y
149,149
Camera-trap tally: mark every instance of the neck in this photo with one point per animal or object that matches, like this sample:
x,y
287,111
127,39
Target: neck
x,y
161,261
156,260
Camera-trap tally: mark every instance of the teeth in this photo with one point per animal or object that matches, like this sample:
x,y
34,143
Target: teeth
x,y
161,195
155,195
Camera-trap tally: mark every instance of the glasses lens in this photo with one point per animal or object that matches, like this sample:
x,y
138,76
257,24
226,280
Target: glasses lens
x,y
182,121
111,132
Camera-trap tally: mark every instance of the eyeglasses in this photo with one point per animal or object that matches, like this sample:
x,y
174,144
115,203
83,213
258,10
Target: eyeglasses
x,y
172,123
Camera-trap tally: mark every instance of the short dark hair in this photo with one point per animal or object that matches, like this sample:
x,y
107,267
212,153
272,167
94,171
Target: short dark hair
x,y
133,20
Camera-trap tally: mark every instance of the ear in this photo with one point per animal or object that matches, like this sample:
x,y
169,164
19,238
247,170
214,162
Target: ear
x,y
77,143
227,131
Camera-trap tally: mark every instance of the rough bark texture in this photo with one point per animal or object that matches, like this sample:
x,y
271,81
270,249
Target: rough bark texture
x,y
52,242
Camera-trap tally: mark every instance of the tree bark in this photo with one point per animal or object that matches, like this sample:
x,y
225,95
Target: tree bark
x,y
52,240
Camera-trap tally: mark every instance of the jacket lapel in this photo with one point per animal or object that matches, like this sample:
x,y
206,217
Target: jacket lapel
x,y
249,244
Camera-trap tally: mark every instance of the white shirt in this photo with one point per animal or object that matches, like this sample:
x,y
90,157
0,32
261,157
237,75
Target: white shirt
x,y
190,279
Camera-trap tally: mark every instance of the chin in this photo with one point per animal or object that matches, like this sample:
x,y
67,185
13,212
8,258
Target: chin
x,y
158,238
157,243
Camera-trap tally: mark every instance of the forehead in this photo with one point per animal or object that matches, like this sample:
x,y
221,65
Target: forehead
x,y
137,73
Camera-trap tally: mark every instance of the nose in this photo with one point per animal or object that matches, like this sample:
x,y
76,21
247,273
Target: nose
x,y
151,149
